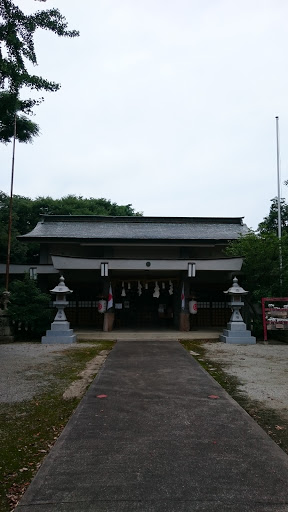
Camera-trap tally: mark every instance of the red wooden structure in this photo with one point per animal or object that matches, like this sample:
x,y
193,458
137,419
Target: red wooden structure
x,y
278,320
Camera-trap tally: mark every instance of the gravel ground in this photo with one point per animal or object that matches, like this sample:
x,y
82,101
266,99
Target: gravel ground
x,y
262,370
24,368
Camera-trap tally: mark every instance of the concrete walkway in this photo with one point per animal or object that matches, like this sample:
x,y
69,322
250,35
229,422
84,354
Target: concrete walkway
x,y
155,433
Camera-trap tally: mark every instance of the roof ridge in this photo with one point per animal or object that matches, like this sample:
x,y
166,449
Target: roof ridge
x,y
142,219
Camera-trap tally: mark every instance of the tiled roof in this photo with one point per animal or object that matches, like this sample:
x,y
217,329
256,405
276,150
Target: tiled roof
x,y
136,228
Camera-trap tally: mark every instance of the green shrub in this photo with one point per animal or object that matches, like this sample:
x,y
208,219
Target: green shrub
x,y
29,308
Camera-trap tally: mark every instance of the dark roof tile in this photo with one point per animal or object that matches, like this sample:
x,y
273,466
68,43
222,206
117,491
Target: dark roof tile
x,y
136,228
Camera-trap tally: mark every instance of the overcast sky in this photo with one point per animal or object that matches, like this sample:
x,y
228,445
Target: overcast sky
x,y
168,105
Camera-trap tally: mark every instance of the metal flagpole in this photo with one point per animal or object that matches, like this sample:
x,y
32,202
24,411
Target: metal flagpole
x,y
10,211
279,199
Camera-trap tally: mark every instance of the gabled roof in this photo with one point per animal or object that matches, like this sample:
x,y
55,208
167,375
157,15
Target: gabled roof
x,y
129,229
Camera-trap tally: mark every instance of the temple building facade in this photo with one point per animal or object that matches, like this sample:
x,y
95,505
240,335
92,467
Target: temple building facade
x,y
139,272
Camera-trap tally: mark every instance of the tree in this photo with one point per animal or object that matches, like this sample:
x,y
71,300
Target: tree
x,y
29,308
17,48
270,222
261,252
25,128
26,213
261,269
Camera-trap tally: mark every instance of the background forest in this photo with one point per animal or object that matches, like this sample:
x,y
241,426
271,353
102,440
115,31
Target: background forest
x,y
27,212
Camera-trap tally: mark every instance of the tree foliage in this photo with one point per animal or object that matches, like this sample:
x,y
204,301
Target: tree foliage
x,y
261,267
29,308
10,105
261,252
270,222
17,49
17,38
26,213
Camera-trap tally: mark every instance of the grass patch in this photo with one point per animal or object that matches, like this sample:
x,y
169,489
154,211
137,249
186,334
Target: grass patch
x,y
275,425
28,429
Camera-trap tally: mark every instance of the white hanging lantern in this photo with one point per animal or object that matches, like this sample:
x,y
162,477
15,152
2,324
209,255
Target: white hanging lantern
x,y
123,293
193,307
102,306
170,291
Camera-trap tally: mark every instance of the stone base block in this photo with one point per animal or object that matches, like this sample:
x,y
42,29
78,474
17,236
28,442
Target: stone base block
x,y
59,333
60,326
236,326
6,339
240,340
6,333
238,334
64,337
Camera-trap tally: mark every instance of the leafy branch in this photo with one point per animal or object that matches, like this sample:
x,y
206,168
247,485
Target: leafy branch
x,y
17,49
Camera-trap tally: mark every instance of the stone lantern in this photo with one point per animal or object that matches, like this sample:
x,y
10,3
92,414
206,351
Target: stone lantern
x,y
236,331
60,329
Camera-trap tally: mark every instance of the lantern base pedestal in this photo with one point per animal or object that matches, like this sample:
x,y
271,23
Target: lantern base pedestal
x,y
60,332
237,332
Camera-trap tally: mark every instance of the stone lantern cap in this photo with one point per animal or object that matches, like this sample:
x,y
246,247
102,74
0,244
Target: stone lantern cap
x,y
235,289
61,287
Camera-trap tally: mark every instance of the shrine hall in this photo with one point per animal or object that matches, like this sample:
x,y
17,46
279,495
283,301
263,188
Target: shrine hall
x,y
139,272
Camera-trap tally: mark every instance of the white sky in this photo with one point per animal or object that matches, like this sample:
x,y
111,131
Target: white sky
x,y
168,105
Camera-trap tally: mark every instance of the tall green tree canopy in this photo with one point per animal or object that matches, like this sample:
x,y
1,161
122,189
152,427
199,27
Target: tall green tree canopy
x,y
27,212
261,252
270,222
261,267
17,49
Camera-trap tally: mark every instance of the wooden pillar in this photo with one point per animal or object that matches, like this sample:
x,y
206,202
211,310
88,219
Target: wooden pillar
x,y
108,322
184,322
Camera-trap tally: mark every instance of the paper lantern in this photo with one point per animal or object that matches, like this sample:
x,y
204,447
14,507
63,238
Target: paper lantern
x,y
101,306
193,307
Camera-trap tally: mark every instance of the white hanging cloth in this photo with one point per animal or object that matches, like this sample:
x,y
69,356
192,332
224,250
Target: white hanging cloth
x,y
139,288
156,293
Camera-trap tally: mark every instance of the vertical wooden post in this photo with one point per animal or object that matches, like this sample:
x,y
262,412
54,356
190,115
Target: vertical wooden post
x,y
10,211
